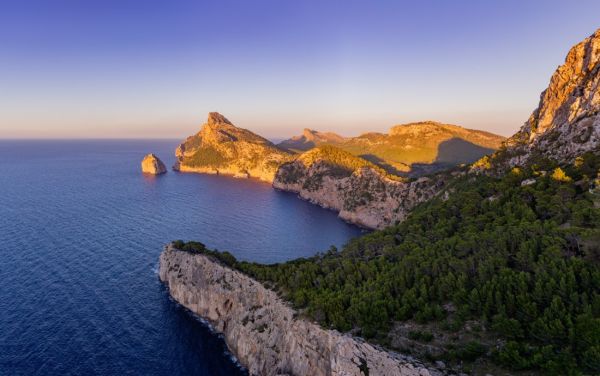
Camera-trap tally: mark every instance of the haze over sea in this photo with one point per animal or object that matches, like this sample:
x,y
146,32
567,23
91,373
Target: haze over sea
x,y
81,230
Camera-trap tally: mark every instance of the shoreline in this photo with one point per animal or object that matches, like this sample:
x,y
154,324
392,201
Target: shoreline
x,y
264,332
347,219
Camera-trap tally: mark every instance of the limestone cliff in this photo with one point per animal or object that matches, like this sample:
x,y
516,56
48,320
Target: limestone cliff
x,y
222,148
152,165
361,192
566,122
264,333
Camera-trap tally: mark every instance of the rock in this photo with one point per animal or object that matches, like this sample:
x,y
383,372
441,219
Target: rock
x,y
566,122
529,181
266,334
222,148
151,164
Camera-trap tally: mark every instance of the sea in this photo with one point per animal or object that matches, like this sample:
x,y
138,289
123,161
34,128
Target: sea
x,y
81,230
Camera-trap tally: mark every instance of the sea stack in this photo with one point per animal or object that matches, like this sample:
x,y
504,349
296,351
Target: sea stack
x,y
152,165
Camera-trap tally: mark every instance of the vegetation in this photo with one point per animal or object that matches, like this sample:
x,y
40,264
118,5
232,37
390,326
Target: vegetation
x,y
520,260
341,162
429,143
207,156
425,146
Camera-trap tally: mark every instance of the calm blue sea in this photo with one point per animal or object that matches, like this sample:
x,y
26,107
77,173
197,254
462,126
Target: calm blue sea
x,y
80,234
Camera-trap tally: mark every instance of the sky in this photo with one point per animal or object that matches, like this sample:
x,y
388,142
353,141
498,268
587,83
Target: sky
x,y
155,68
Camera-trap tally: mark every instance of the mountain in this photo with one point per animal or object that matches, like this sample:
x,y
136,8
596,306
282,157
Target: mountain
x,y
494,273
358,177
222,148
566,122
414,148
310,139
355,176
362,192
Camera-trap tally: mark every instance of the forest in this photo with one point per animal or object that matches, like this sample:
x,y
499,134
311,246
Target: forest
x,y
517,257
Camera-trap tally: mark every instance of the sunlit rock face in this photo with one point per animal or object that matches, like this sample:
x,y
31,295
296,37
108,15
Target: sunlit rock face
x,y
566,122
152,165
266,334
222,148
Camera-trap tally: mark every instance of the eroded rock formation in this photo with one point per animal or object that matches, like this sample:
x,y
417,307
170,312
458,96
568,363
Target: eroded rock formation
x,y
152,165
222,148
566,122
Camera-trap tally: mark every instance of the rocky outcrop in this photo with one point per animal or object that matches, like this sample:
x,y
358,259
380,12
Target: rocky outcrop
x,y
152,165
566,122
222,148
361,192
263,332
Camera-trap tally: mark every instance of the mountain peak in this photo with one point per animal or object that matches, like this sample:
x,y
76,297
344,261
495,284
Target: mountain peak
x,y
216,118
566,122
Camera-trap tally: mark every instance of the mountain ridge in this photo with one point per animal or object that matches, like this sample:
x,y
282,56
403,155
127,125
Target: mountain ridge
x,y
222,148
408,148
566,122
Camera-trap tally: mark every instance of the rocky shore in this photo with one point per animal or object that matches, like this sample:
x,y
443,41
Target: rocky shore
x,y
266,334
365,197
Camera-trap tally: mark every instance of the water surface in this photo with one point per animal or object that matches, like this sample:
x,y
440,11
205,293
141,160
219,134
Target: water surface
x,y
81,230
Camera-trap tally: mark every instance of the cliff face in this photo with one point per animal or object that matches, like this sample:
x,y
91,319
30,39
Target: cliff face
x,y
361,192
152,165
222,148
263,332
566,122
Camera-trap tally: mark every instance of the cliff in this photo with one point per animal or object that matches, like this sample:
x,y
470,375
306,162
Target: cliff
x,y
222,148
151,164
264,333
360,191
566,122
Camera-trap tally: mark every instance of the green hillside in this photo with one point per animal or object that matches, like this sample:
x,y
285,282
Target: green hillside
x,y
503,273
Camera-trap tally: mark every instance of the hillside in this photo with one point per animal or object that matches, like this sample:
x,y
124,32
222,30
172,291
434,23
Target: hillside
x,y
566,122
414,149
502,271
494,273
222,148
499,268
362,192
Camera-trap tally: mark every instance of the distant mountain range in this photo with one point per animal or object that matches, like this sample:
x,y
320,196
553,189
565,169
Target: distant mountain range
x,y
363,178
495,272
409,149
375,179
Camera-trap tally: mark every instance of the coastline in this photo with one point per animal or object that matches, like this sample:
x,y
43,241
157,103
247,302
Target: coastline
x,y
264,333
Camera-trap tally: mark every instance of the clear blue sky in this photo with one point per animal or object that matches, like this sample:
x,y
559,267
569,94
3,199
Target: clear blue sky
x,y
124,68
